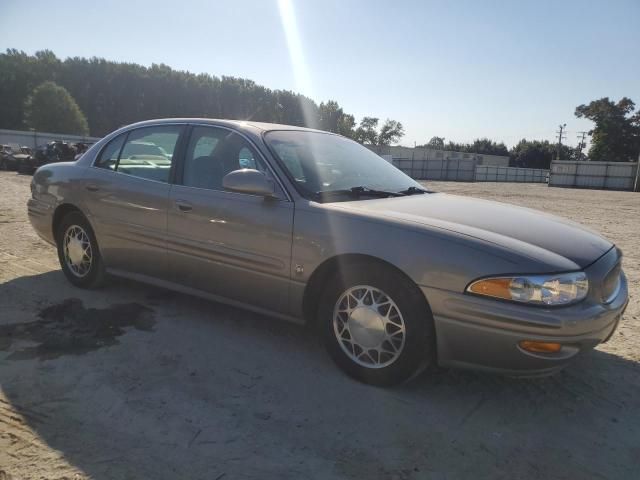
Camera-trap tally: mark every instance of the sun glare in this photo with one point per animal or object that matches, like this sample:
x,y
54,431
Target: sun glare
x,y
296,54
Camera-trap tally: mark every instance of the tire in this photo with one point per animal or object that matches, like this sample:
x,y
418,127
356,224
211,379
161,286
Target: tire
x,y
3,164
78,252
398,335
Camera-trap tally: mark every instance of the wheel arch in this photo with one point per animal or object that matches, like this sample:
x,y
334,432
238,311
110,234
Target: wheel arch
x,y
60,212
323,272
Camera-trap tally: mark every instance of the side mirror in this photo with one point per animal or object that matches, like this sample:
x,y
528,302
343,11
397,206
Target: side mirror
x,y
249,181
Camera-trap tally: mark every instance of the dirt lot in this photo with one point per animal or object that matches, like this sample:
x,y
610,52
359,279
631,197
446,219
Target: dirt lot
x,y
135,382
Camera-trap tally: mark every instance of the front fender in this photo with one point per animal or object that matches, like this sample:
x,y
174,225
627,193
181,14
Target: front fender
x,y
431,257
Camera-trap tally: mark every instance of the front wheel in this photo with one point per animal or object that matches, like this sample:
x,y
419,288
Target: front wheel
x,y
78,251
377,325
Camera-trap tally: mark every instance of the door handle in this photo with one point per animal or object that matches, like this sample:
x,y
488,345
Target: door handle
x,y
92,188
183,206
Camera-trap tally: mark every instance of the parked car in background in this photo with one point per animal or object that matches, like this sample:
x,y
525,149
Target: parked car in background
x,y
52,152
7,161
24,157
80,148
313,227
12,156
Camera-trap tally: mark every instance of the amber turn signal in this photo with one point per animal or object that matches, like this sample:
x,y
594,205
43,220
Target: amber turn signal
x,y
492,287
540,347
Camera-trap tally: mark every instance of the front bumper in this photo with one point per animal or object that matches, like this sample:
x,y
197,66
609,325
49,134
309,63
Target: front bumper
x,y
483,334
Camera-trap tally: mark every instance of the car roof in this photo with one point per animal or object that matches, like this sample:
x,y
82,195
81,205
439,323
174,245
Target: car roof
x,y
238,124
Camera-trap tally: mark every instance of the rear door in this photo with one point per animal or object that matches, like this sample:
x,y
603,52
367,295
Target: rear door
x,y
230,244
127,196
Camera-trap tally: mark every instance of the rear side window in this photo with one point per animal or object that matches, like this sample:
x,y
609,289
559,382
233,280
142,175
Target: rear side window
x,y
145,153
109,156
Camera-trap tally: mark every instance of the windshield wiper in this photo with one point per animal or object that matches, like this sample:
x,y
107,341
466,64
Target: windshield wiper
x,y
413,191
359,192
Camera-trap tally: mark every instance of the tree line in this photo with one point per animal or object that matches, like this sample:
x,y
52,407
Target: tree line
x,y
97,96
614,138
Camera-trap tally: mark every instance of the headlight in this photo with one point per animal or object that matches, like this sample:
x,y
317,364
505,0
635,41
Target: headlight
x,y
560,289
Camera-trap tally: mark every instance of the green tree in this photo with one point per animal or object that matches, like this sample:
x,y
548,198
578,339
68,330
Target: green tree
x,y
113,94
51,108
390,132
484,146
330,114
616,135
538,153
366,133
436,143
346,125
333,119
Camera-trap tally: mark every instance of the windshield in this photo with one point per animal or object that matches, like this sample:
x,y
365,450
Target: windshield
x,y
320,162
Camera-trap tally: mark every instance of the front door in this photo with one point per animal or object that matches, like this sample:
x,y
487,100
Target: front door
x,y
229,244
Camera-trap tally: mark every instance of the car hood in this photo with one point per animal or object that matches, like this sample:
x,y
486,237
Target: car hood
x,y
517,228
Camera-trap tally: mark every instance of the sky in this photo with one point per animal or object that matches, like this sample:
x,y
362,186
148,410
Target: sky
x,y
457,69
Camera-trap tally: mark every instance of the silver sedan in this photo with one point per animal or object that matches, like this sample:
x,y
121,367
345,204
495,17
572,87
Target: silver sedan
x,y
314,228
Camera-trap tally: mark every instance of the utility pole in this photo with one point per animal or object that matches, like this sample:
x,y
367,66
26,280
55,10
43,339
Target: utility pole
x,y
561,136
581,143
636,183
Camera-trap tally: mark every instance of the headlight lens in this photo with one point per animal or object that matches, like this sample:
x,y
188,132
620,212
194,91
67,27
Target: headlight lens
x,y
559,289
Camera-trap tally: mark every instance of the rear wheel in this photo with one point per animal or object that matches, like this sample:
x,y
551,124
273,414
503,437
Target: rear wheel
x,y
78,251
377,325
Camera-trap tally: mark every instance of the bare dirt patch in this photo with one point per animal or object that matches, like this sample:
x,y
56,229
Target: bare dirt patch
x,y
214,392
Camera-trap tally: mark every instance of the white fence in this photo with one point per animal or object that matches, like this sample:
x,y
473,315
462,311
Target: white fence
x,y
596,175
33,139
493,173
468,170
459,170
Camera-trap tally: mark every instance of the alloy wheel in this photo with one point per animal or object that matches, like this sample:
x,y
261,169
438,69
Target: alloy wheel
x,y
369,326
78,254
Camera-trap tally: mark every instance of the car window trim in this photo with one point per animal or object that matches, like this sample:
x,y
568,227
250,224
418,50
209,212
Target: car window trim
x,y
126,137
249,141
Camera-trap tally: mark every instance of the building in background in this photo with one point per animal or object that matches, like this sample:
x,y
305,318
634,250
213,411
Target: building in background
x,y
422,153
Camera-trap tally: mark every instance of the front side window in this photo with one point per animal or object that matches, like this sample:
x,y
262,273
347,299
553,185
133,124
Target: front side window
x,y
320,162
214,152
146,152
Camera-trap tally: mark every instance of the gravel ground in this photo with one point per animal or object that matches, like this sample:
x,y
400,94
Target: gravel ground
x,y
133,382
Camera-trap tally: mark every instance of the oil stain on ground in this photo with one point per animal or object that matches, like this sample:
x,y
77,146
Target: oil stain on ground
x,y
68,328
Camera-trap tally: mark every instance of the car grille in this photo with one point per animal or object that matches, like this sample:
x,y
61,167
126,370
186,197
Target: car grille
x,y
611,284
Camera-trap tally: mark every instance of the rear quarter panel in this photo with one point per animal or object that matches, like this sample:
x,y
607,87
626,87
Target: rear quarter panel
x,y
54,185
